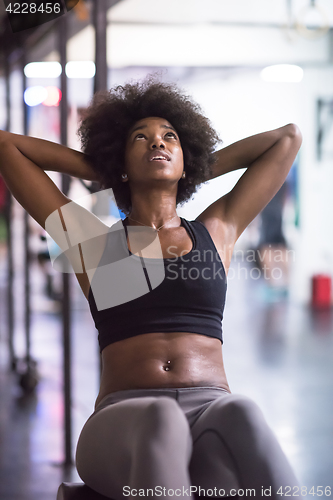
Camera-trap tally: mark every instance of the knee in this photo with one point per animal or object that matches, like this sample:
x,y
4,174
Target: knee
x,y
164,411
243,411
164,417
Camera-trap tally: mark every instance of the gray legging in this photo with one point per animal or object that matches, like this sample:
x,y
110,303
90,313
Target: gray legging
x,y
181,439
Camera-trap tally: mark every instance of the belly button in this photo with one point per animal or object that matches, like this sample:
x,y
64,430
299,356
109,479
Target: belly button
x,y
167,367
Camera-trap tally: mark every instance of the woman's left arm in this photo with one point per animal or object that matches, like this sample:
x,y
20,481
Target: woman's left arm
x,y
243,153
268,158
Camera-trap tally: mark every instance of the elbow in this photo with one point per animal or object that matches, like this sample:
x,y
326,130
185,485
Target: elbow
x,y
294,132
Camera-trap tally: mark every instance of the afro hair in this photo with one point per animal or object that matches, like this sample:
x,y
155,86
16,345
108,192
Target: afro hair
x,y
110,116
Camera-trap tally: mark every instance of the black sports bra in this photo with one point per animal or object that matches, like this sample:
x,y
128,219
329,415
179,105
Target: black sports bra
x,y
137,295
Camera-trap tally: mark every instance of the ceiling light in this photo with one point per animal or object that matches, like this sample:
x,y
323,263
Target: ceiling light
x,y
43,70
80,69
282,73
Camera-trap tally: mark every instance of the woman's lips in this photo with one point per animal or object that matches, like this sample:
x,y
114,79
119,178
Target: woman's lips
x,y
159,156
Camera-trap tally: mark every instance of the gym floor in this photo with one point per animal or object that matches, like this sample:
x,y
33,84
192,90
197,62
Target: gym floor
x,y
276,351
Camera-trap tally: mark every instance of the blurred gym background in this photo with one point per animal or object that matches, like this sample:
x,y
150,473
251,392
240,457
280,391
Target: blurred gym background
x,y
252,65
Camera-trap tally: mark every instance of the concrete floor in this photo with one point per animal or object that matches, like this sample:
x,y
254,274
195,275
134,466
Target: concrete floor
x,y
277,352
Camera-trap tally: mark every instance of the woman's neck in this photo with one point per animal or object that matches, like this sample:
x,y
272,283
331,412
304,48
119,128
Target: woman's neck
x,y
154,217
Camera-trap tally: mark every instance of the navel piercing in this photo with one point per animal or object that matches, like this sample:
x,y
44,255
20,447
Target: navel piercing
x,y
167,368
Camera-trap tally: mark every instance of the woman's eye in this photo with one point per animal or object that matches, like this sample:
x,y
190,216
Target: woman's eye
x,y
172,134
139,136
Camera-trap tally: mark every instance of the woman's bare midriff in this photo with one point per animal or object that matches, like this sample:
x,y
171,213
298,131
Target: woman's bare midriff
x,y
161,360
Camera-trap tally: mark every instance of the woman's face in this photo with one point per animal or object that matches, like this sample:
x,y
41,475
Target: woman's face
x,y
153,152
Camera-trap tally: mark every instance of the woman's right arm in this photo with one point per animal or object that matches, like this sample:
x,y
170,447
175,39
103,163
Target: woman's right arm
x,y
49,155
22,163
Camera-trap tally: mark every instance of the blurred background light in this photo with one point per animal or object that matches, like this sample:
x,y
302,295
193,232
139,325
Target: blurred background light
x,y
53,97
43,70
282,73
80,69
35,95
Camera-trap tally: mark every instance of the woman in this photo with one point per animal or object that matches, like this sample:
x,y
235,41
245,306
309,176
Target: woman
x,y
165,418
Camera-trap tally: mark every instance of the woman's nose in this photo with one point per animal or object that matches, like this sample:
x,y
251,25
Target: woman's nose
x,y
157,142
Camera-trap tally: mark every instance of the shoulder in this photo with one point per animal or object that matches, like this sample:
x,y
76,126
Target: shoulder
x,y
223,236
217,228
215,219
